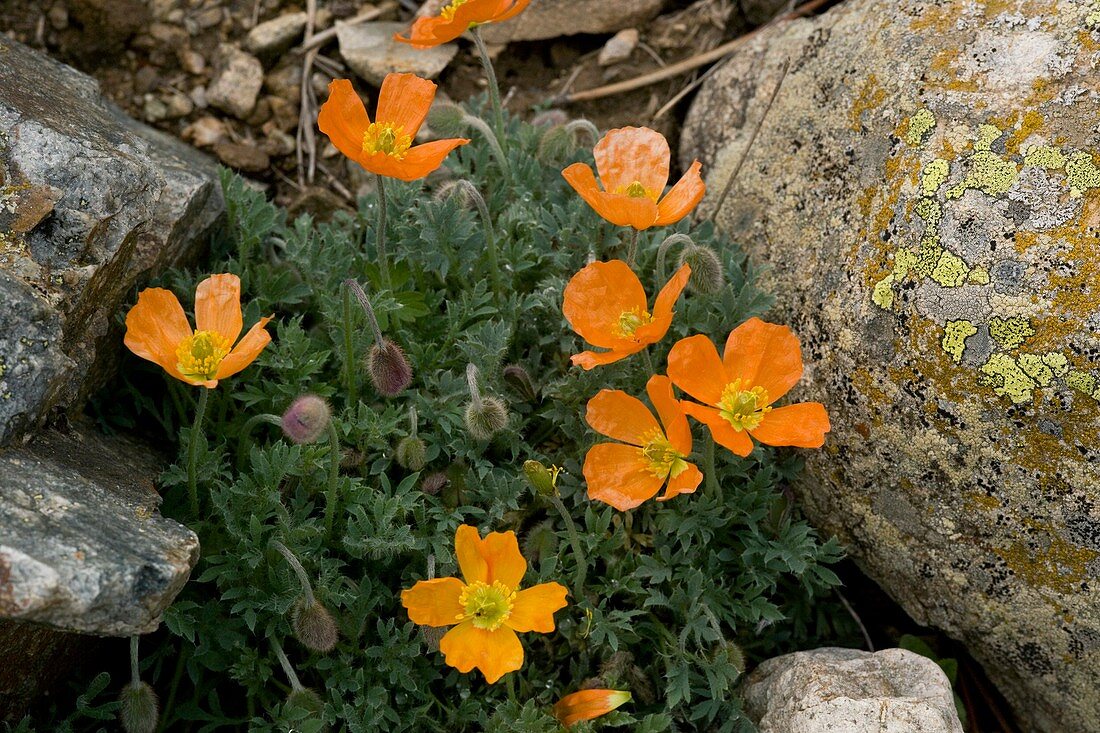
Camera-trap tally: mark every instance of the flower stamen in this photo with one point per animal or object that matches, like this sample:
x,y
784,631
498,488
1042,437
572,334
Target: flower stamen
x,y
448,12
200,355
743,408
663,459
631,320
487,606
636,190
387,138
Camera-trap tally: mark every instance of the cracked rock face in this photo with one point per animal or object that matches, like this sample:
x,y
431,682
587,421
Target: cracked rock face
x,y
82,547
830,690
91,203
927,193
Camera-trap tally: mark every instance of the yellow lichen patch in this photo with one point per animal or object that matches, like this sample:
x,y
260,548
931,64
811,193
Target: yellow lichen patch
x,y
950,270
978,500
904,261
1081,174
1034,366
1060,566
871,96
1044,156
934,175
930,211
883,293
919,127
1083,382
1025,240
955,334
1010,332
979,276
1007,379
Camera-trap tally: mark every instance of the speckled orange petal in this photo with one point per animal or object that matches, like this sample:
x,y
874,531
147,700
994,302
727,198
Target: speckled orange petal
x,y
639,213
694,366
434,602
682,198
618,475
218,306
724,434
686,483
505,561
533,608
765,355
630,154
404,101
617,415
662,307
676,428
802,425
592,359
596,297
471,560
344,118
155,327
246,350
587,705
495,653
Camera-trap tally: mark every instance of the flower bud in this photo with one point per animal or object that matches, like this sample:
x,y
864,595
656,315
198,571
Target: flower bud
x,y
542,479
588,704
314,626
411,453
519,379
139,710
555,145
390,371
550,118
305,699
447,119
486,417
434,483
306,420
731,654
707,275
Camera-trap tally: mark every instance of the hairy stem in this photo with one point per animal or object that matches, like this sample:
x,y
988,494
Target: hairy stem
x,y
491,77
708,465
333,477
351,384
383,258
632,248
249,426
296,566
193,451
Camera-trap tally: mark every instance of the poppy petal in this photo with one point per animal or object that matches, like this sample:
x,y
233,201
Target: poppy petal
x,y
802,425
633,154
218,306
676,428
246,350
344,118
591,359
505,561
155,327
533,608
685,483
694,366
764,355
404,101
434,602
516,8
588,704
596,298
682,198
662,307
423,159
495,653
619,416
724,434
624,211
618,475
471,560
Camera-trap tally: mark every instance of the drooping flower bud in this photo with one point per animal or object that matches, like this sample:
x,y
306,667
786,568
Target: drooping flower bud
x,y
305,699
550,118
542,479
434,483
139,711
729,653
314,626
411,454
516,377
306,420
707,275
447,119
390,371
487,418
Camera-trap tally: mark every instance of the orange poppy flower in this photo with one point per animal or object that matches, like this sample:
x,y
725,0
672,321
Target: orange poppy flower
x,y
588,704
458,16
626,474
488,608
157,330
385,145
761,363
606,305
633,166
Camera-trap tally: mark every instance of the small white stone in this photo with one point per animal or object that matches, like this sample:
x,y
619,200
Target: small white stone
x,y
276,34
619,47
371,52
237,83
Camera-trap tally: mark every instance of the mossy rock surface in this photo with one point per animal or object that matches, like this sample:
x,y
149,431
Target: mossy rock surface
x,y
927,192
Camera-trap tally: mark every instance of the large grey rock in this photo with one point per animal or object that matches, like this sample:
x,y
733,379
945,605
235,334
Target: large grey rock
x,y
553,18
926,192
82,547
91,202
832,690
372,53
35,658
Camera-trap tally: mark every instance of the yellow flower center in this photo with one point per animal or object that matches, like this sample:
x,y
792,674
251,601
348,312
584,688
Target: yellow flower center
x,y
388,138
636,190
631,320
488,606
201,354
664,460
448,12
743,408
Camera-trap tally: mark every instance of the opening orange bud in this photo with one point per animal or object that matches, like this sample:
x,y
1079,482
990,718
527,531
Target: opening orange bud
x,y
588,704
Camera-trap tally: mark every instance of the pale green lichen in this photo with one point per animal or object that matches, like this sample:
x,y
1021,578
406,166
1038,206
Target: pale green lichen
x,y
1081,174
930,211
920,126
1083,382
934,175
1044,156
1010,332
955,334
904,261
988,173
979,276
883,293
1058,363
1007,379
928,256
950,270
1033,366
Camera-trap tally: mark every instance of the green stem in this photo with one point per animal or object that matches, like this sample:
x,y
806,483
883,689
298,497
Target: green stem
x,y
351,384
490,237
575,541
173,688
632,248
246,431
491,77
383,258
648,361
333,477
713,487
512,689
193,450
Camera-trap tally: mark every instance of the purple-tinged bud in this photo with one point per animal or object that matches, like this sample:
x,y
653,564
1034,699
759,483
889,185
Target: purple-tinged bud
x,y
314,626
390,371
434,483
306,420
139,710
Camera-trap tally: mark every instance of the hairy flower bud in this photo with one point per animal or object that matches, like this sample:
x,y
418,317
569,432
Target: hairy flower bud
x,y
306,420
486,417
550,118
139,710
434,483
555,145
411,453
707,276
731,654
520,380
390,371
314,626
306,699
447,119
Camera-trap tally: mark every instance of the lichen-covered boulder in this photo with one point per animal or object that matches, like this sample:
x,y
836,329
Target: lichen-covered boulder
x,y
927,193
91,202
